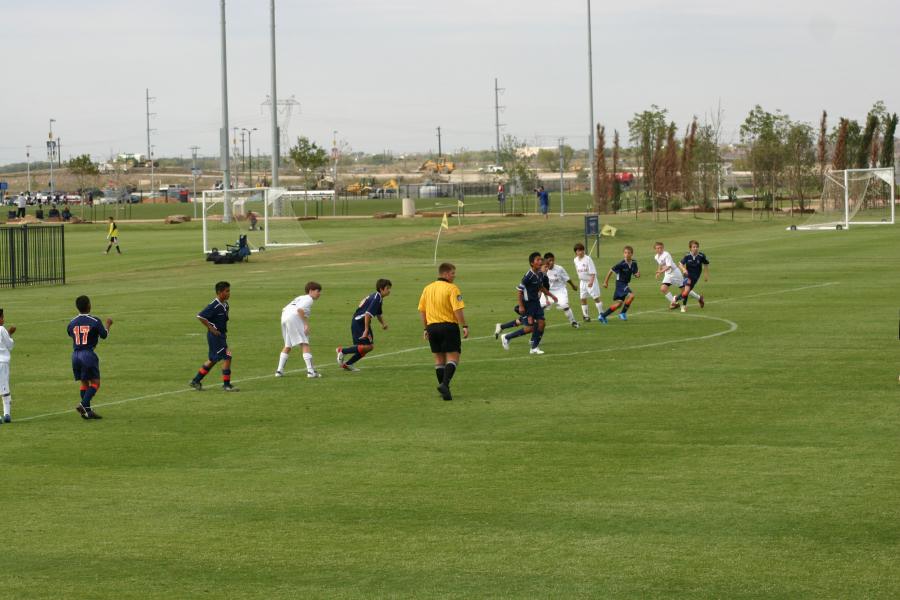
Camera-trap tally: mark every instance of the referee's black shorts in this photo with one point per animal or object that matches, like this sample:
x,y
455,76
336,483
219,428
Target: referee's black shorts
x,y
444,337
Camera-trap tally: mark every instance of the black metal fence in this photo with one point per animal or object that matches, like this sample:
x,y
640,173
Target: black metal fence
x,y
32,255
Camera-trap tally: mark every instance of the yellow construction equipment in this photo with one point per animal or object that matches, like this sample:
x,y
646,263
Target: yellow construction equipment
x,y
439,166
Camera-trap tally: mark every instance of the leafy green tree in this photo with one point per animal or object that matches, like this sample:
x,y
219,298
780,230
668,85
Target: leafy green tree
x,y
765,135
82,167
839,157
864,149
646,130
309,158
517,165
800,160
887,149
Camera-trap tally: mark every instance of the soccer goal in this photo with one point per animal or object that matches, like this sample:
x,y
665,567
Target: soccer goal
x,y
853,197
269,217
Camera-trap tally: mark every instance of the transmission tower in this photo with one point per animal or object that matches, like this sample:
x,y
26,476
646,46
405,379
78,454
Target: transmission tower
x,y
285,110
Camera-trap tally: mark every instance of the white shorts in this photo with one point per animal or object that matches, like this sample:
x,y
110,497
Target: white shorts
x,y
292,331
673,278
589,292
4,378
562,299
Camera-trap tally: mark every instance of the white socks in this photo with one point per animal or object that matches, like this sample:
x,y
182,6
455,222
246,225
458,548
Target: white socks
x,y
282,360
599,306
584,311
307,358
695,295
670,297
7,400
569,314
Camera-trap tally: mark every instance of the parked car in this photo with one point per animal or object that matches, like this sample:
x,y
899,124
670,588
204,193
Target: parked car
x,y
383,193
492,169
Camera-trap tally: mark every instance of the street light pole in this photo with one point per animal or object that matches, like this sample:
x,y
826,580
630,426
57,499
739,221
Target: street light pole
x,y
194,176
223,135
152,167
50,154
249,133
28,167
591,102
276,152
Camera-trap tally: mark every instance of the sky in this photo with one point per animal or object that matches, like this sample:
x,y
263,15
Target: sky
x,y
386,73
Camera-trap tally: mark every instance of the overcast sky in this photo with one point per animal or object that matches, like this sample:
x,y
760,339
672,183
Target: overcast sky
x,y
386,73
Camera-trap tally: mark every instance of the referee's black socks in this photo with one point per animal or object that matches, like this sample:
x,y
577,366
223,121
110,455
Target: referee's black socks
x,y
439,372
449,370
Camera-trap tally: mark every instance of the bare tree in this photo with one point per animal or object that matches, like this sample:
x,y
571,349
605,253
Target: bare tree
x,y
616,186
822,149
601,185
839,158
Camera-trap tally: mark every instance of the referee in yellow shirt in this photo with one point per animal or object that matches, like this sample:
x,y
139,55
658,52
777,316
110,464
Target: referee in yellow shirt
x,y
441,307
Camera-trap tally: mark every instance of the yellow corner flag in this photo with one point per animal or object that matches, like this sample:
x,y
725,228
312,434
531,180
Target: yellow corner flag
x,y
608,231
444,222
460,204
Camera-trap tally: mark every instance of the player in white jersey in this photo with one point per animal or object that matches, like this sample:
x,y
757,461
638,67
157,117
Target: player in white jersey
x,y
670,272
558,280
295,329
6,346
588,287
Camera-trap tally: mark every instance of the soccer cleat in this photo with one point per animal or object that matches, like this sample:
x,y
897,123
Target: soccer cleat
x,y
82,411
623,317
536,351
445,392
683,308
602,319
351,368
313,374
340,357
587,319
673,305
504,342
279,374
700,301
196,385
7,419
575,325
497,330
92,415
227,387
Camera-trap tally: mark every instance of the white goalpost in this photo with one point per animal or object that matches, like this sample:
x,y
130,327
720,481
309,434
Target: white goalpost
x,y
853,197
268,217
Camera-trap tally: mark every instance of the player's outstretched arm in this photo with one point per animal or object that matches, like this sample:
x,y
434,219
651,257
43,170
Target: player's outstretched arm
x,y
11,329
109,323
424,324
461,319
606,279
383,324
209,326
706,272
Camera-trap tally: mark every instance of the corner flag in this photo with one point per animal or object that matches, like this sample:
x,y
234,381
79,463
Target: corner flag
x,y
608,230
444,223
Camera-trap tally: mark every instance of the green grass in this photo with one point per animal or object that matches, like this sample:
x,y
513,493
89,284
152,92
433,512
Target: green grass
x,y
747,450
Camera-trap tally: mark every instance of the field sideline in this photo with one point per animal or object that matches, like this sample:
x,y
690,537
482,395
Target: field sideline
x,y
746,450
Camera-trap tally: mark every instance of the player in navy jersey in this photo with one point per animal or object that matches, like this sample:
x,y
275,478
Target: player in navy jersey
x,y
86,331
692,265
623,296
534,283
361,326
215,318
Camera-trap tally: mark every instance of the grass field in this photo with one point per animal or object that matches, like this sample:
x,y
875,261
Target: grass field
x,y
746,450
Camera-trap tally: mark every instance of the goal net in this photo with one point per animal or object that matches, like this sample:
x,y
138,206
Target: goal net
x,y
853,197
269,217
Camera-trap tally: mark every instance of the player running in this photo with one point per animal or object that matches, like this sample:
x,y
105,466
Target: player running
x,y
534,283
671,274
215,318
361,326
693,263
589,287
295,329
86,331
112,235
6,346
623,296
558,279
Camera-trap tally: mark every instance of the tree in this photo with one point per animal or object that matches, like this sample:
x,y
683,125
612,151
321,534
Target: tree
x,y
687,161
309,159
669,166
616,186
516,164
822,149
887,149
644,131
765,134
82,167
839,158
801,160
865,145
601,185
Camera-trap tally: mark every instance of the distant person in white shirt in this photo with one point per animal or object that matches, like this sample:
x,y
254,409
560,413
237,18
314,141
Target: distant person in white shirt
x,y
670,272
20,206
295,329
558,280
589,287
6,346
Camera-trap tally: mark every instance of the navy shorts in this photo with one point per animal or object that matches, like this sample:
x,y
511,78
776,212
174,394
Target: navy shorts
x,y
85,365
356,330
621,292
691,281
534,311
218,347
545,208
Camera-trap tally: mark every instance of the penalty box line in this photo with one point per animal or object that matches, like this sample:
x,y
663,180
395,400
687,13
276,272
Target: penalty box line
x,y
732,327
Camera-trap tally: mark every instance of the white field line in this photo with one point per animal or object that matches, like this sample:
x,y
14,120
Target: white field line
x,y
732,327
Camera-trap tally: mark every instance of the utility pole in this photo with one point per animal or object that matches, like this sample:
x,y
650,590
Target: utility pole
x,y
223,135
249,133
152,167
149,114
28,166
439,142
276,152
497,109
243,159
591,102
562,197
334,156
51,151
194,176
